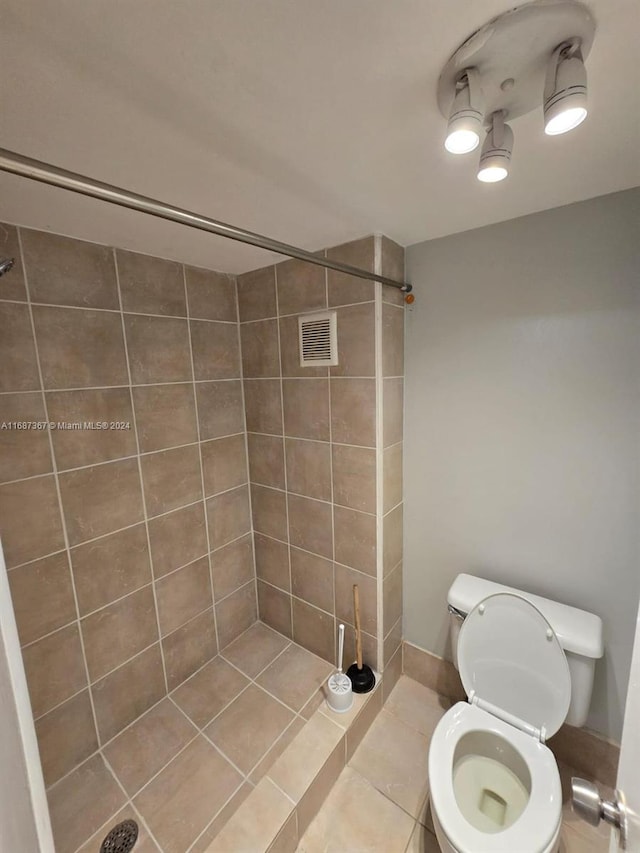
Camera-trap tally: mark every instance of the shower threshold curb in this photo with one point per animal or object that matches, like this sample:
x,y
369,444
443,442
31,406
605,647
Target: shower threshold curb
x,y
276,814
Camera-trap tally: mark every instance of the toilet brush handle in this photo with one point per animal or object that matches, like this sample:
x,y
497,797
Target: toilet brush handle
x,y
340,647
356,608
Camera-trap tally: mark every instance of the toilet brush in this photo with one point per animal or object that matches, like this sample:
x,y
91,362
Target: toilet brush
x,y
339,692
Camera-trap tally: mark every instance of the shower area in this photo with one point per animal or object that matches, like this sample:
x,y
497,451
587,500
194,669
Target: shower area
x,y
184,511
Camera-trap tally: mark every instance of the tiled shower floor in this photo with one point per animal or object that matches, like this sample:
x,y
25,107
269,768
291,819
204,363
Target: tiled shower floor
x,y
185,766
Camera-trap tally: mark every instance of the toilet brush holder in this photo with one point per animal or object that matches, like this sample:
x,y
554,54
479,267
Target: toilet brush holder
x,y
339,690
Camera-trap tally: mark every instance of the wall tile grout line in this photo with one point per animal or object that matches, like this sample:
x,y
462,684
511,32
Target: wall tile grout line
x,y
379,359
246,450
120,310
60,506
350,377
320,609
314,554
140,477
310,311
284,446
317,500
129,527
117,386
333,523
320,441
103,462
202,486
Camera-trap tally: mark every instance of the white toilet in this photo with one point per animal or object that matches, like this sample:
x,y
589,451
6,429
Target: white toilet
x,y
527,666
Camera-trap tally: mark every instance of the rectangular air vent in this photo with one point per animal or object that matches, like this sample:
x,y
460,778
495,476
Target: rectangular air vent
x,y
318,334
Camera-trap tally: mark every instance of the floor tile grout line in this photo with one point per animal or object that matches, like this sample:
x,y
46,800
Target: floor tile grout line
x,y
201,464
200,728
99,750
283,792
254,680
217,814
379,791
130,802
56,480
164,766
296,715
202,733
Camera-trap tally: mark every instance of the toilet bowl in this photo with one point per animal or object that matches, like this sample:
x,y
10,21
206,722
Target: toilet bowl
x,y
494,789
495,785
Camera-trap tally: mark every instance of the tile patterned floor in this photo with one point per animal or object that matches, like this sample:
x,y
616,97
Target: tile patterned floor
x,y
380,802
185,766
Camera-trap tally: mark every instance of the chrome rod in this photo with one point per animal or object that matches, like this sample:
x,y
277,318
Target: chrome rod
x,y
36,170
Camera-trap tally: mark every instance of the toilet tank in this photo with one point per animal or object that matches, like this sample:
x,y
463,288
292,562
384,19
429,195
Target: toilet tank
x,y
579,634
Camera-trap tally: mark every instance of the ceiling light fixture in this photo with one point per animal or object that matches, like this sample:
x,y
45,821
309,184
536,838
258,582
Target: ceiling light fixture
x,y
496,151
565,90
465,118
531,56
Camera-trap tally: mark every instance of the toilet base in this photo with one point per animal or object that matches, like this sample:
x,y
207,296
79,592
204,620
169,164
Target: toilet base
x,y
446,846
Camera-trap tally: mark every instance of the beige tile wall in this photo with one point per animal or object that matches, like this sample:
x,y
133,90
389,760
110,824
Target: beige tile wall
x,y
391,388
129,551
325,451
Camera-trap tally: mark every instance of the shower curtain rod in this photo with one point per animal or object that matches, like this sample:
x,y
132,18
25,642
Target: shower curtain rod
x,y
45,173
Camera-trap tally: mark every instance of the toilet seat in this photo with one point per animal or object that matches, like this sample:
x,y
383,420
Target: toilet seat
x,y
538,825
512,664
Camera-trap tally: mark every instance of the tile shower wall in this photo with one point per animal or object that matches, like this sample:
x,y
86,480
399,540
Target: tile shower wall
x,y
325,451
129,549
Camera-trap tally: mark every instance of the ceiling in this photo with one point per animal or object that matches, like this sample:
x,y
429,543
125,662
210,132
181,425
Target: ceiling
x,y
311,122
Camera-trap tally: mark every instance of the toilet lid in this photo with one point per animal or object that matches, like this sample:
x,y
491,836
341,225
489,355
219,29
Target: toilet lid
x,y
509,655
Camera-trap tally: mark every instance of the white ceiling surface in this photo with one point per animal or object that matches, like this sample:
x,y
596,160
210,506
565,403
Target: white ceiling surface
x,y
311,122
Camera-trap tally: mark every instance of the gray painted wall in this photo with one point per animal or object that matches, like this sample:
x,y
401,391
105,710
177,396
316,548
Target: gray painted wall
x,y
522,420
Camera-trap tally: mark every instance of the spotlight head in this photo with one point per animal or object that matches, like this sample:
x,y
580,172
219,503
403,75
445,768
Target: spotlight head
x,y
565,90
465,117
496,151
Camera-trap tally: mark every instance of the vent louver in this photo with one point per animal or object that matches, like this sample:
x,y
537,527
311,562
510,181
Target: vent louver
x,y
318,339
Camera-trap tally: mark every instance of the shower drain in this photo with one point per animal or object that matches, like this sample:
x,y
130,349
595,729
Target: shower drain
x,y
121,838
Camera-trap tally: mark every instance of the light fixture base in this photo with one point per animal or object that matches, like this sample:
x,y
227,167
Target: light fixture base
x,y
511,54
